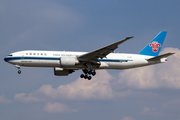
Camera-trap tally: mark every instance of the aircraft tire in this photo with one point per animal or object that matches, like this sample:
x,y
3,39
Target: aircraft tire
x,y
94,73
90,72
89,78
85,71
19,71
82,75
85,77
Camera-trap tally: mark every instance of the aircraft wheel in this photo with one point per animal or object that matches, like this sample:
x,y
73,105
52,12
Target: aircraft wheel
x,y
94,73
85,77
89,78
19,71
85,71
82,76
90,72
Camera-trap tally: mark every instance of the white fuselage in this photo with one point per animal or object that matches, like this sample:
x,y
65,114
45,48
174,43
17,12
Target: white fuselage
x,y
33,58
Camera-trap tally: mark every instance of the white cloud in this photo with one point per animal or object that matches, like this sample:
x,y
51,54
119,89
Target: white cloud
x,y
150,77
146,109
58,108
22,97
127,118
4,100
98,88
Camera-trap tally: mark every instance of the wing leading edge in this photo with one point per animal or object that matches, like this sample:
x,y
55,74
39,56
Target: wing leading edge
x,y
102,52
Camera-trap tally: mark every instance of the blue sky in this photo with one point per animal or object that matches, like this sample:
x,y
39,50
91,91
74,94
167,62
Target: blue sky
x,y
137,94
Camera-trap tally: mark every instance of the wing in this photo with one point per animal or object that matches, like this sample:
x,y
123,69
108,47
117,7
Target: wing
x,y
102,52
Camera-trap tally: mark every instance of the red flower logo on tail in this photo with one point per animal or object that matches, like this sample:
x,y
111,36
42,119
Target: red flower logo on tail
x,y
155,46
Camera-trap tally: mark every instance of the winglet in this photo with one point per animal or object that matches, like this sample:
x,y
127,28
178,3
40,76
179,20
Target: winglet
x,y
153,48
129,37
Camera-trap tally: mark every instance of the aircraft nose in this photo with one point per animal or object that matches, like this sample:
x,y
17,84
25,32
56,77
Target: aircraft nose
x,y
5,59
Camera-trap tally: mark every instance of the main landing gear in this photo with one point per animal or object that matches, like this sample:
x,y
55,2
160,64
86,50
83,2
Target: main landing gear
x,y
18,67
87,74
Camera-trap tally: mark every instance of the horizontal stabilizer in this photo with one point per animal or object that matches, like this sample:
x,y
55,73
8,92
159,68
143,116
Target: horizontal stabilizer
x,y
160,56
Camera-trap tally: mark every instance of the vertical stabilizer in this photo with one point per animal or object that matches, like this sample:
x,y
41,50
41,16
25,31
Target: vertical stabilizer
x,y
154,47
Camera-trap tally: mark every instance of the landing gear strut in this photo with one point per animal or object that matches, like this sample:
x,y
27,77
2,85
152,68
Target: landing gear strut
x,y
87,74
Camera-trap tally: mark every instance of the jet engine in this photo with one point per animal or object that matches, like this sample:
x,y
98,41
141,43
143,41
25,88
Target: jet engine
x,y
62,72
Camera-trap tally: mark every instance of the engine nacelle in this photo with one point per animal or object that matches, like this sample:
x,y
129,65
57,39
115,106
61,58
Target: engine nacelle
x,y
68,61
62,72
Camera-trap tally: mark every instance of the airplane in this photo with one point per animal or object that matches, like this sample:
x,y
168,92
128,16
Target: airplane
x,y
65,63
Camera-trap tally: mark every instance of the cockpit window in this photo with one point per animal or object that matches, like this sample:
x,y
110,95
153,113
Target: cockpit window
x,y
10,55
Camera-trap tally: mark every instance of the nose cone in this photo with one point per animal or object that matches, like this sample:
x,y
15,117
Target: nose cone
x,y
5,59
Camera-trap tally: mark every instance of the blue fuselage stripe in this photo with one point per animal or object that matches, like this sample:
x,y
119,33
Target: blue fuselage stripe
x,y
112,60
8,59
29,58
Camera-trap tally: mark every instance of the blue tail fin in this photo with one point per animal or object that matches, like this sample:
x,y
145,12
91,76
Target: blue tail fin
x,y
154,47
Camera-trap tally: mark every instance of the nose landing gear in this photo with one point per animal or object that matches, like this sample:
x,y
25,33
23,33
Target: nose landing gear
x,y
18,67
87,74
